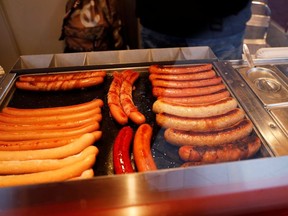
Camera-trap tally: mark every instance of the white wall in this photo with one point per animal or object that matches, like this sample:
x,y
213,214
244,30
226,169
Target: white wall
x,y
29,27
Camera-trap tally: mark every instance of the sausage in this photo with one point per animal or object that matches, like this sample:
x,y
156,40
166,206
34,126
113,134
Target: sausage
x,y
47,126
62,76
198,99
186,84
36,143
195,111
238,150
45,134
142,149
96,113
94,104
179,69
73,148
32,166
87,174
186,92
126,99
200,124
211,138
62,85
62,174
121,151
184,77
113,99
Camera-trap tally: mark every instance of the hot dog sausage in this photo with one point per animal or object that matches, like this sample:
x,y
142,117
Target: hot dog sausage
x,y
211,138
197,110
87,174
179,69
142,149
186,84
198,99
184,77
62,85
62,76
239,150
113,98
94,104
126,99
46,134
62,174
200,124
121,151
54,153
186,92
32,166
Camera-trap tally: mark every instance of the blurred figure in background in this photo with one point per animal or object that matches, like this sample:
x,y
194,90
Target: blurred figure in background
x,y
92,25
218,24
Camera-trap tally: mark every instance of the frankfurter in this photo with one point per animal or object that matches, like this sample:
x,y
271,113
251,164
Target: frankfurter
x,y
48,126
94,104
126,99
186,84
96,113
186,92
160,69
62,174
113,99
200,124
198,99
121,151
32,166
195,111
184,77
46,134
238,150
62,85
36,143
142,149
73,148
212,138
87,174
62,76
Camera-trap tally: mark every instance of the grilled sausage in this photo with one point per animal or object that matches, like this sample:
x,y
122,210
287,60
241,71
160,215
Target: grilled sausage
x,y
186,84
195,111
184,77
186,92
62,76
198,99
238,150
211,138
142,149
62,85
200,124
160,69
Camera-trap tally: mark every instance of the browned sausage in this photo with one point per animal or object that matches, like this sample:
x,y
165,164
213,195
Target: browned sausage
x,y
62,85
186,84
186,92
200,124
239,150
62,76
198,99
211,138
179,69
184,77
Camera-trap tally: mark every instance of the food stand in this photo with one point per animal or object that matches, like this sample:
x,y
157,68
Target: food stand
x,y
249,186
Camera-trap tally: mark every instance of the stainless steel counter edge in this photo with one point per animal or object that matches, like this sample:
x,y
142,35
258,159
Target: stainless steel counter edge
x,y
220,189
